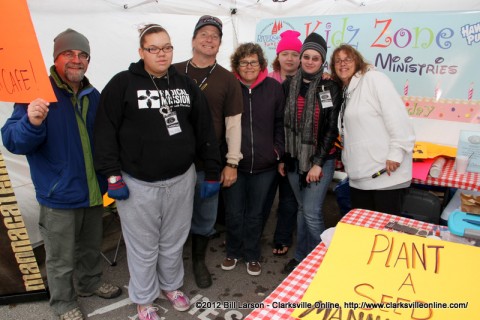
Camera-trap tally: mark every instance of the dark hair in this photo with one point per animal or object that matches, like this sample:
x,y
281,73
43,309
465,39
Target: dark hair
x,y
276,64
247,49
360,63
149,29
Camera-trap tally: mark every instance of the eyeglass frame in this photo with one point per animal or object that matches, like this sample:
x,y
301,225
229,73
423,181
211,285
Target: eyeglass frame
x,y
315,58
244,64
156,50
347,60
70,55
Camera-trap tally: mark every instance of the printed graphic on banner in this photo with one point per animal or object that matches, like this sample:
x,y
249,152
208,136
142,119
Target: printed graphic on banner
x,y
430,57
19,272
23,76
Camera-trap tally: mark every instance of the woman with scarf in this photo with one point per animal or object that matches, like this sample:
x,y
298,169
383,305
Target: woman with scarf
x,y
311,113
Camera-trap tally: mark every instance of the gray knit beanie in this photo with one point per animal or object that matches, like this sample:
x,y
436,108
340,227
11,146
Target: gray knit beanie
x,y
315,42
70,40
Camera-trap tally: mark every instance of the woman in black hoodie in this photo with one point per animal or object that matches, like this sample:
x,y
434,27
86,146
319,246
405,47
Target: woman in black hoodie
x,y
150,124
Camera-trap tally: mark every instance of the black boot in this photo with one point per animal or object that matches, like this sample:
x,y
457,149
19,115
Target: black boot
x,y
200,271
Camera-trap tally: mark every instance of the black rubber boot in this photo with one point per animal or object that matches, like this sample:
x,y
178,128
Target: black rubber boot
x,y
200,271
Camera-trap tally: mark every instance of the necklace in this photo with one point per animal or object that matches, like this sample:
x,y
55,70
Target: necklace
x,y
201,86
165,110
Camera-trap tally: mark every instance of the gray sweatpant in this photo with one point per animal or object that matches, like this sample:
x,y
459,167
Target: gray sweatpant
x,y
155,222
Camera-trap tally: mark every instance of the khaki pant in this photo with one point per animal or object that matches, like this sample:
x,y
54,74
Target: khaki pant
x,y
72,239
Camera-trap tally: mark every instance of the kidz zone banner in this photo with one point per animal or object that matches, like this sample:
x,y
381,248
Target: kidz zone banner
x,y
432,58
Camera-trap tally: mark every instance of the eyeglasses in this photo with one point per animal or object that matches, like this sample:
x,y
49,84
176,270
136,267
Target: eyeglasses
x,y
155,50
306,57
346,61
244,64
70,55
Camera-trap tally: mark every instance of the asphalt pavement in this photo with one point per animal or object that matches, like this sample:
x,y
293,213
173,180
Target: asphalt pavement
x,y
225,299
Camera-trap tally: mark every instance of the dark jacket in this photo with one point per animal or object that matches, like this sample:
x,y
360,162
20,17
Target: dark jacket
x,y
135,133
327,131
61,165
263,137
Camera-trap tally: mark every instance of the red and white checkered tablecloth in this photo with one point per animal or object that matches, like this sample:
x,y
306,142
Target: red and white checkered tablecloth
x,y
294,286
450,178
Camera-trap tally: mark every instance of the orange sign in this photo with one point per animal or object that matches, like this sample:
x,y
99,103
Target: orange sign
x,y
23,76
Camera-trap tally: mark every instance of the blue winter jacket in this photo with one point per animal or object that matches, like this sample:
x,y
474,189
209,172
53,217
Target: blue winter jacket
x,y
59,151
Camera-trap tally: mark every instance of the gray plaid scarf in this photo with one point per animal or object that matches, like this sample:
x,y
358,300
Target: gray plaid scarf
x,y
300,141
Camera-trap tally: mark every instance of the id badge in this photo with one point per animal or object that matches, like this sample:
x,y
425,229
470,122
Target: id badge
x,y
171,121
326,99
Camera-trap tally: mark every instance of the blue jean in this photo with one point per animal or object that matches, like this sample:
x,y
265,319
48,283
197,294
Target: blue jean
x,y
286,214
244,215
204,210
342,192
310,221
286,211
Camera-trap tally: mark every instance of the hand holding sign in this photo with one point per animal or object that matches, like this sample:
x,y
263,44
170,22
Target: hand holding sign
x,y
37,111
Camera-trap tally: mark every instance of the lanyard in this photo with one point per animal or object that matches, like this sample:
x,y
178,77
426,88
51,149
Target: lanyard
x,y
201,86
346,96
165,110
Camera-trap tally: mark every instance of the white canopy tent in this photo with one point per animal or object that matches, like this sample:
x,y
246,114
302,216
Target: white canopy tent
x,y
111,27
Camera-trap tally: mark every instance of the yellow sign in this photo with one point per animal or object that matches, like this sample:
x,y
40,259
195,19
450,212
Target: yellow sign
x,y
381,275
427,150
107,200
23,76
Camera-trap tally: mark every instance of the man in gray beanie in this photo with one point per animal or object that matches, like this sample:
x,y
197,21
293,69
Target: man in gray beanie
x,y
59,152
69,40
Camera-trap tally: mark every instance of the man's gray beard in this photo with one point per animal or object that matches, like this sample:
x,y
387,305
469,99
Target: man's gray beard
x,y
76,76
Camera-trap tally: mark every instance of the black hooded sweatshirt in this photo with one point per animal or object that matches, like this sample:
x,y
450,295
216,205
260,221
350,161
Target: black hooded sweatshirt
x,y
152,128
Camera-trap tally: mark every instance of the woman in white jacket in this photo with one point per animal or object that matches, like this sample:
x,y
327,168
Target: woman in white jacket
x,y
377,135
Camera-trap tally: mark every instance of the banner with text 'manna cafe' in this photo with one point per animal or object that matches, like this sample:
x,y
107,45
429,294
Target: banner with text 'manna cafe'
x,y
22,78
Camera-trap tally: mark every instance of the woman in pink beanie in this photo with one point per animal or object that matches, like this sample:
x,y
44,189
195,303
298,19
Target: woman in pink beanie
x,y
288,56
286,63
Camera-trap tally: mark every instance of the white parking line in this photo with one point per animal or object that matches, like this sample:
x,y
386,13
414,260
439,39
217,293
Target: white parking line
x,y
113,306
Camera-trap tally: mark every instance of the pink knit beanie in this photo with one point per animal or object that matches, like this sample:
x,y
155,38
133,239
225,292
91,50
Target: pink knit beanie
x,y
289,41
